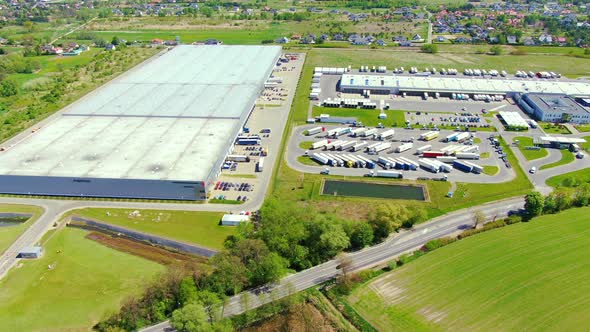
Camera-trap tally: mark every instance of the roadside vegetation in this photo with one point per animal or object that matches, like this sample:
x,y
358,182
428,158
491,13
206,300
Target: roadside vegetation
x,y
8,234
434,297
529,154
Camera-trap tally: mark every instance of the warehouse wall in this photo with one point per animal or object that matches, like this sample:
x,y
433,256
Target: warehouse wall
x,y
93,187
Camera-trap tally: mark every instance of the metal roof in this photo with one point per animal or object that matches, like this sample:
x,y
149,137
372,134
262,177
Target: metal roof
x,y
513,119
170,118
461,84
564,140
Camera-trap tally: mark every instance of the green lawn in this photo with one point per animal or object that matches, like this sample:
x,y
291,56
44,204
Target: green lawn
x,y
305,160
490,170
197,227
581,176
477,140
525,141
305,145
529,276
484,155
9,234
566,158
369,118
87,282
583,128
551,128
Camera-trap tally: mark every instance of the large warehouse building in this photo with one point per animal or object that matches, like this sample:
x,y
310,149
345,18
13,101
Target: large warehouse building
x,y
445,85
554,108
161,131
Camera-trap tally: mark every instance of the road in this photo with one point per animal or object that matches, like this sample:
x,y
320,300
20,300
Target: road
x,y
404,242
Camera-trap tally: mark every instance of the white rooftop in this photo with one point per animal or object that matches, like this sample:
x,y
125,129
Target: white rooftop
x,y
171,118
465,84
513,119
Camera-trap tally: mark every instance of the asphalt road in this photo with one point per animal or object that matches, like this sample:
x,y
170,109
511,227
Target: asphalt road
x,y
407,241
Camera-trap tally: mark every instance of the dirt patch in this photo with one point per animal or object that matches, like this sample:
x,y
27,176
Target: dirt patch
x,y
300,318
152,253
389,292
432,315
356,211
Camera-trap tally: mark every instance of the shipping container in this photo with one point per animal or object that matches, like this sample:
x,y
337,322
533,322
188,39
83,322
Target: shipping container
x,y
319,144
386,134
238,158
467,155
423,148
432,154
314,131
404,147
389,174
426,164
458,164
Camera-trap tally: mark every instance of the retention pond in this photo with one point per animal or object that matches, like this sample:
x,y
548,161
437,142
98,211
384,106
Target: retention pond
x,y
373,190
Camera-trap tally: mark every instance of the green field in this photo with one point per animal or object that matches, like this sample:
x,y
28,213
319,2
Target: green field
x,y
197,227
305,145
529,154
9,234
87,282
566,158
582,176
551,128
530,276
490,170
484,155
369,118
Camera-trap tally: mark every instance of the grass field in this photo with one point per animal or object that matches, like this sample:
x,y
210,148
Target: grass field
x,y
484,155
529,276
551,128
87,282
369,118
305,145
490,170
582,175
566,158
529,154
9,234
583,128
200,227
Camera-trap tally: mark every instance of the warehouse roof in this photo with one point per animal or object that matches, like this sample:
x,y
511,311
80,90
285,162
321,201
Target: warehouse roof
x,y
171,118
564,140
513,119
462,84
556,102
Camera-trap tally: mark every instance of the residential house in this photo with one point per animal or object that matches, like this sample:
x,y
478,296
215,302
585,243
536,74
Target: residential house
x,y
528,41
546,39
282,40
405,43
338,37
441,39
380,42
512,40
562,41
417,39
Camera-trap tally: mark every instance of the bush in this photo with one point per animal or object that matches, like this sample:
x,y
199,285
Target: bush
x,y
429,48
496,50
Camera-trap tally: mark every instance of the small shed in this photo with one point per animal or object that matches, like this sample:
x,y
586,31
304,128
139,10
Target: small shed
x,y
234,219
31,252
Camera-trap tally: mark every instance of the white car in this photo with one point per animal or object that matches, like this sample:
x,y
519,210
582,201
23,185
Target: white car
x,y
533,170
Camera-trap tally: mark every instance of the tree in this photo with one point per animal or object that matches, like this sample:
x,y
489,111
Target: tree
x,y
534,204
187,291
362,235
211,302
190,318
115,41
478,218
229,275
429,48
8,88
496,50
386,219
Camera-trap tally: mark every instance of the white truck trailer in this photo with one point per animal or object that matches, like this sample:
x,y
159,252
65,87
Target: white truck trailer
x,y
238,158
381,147
426,164
387,134
462,137
369,132
388,174
385,163
423,148
404,147
314,131
260,165
358,131
359,146
346,145
467,155
319,144
476,168
320,158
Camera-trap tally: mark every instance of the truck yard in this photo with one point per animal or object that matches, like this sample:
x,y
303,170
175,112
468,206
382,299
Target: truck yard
x,y
407,153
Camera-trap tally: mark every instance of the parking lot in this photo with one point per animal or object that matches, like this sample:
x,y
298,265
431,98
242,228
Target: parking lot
x,y
489,155
245,180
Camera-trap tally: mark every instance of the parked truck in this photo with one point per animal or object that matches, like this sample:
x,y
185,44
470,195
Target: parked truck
x,y
432,154
462,137
346,145
404,147
359,146
461,165
314,131
381,147
369,132
475,168
429,135
389,174
426,164
446,159
320,144
320,158
385,163
452,137
467,155
260,165
387,134
423,149
358,131
238,158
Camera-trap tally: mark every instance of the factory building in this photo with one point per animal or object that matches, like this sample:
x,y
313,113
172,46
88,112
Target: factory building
x,y
446,85
553,108
160,131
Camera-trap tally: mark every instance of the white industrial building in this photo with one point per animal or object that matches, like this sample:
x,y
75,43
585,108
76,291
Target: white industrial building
x,y
395,84
160,131
554,108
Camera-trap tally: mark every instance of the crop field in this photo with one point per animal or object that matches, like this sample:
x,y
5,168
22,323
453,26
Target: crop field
x,y
89,279
9,234
200,227
525,141
528,276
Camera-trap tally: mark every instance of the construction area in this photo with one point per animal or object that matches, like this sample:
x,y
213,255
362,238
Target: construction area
x,y
160,131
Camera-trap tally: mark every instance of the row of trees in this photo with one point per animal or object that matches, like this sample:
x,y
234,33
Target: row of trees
x,y
285,236
560,199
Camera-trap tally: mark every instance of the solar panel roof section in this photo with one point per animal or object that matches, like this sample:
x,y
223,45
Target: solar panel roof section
x,y
171,118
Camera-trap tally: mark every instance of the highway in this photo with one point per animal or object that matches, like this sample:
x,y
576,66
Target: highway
x,y
396,245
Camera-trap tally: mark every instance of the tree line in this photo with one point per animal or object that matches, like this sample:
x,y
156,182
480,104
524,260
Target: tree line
x,y
560,199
